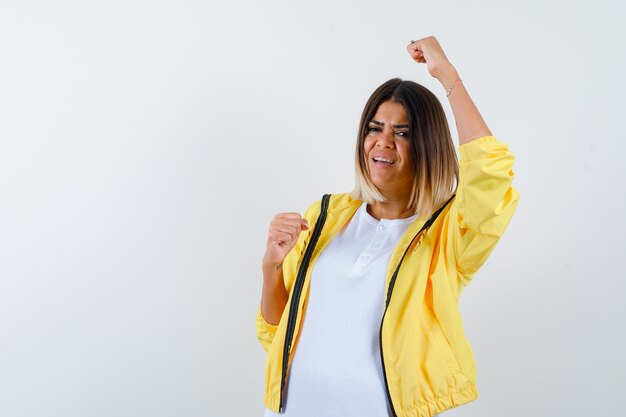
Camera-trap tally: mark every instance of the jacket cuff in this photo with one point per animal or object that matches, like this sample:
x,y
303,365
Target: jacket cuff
x,y
473,149
265,332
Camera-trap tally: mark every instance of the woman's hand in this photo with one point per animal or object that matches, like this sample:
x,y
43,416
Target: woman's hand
x,y
428,51
284,231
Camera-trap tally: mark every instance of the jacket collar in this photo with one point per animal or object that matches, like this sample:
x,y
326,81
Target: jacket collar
x,y
345,202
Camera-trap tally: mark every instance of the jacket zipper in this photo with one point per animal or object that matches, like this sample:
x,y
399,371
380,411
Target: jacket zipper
x,y
392,283
295,299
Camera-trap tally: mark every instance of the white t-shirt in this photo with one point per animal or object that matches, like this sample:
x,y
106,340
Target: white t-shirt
x,y
336,368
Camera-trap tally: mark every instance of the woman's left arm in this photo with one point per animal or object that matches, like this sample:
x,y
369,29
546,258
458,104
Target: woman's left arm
x,y
469,123
485,197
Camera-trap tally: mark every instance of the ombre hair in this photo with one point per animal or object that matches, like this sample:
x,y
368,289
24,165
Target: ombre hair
x,y
432,154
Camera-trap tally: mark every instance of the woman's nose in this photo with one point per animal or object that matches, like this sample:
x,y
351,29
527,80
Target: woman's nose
x,y
385,139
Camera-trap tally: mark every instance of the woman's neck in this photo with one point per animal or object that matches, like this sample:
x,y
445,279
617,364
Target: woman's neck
x,y
392,209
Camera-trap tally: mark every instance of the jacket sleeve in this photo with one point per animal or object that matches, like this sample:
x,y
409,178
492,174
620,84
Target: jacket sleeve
x,y
484,204
265,331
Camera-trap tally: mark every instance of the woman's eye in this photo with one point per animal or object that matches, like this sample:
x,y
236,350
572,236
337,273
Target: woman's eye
x,y
403,134
372,129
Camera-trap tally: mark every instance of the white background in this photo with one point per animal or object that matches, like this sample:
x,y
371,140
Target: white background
x,y
146,146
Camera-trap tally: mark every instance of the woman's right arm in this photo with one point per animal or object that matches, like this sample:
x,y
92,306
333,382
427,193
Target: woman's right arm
x,y
284,234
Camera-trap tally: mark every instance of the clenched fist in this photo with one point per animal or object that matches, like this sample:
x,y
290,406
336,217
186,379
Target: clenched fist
x,y
428,51
284,231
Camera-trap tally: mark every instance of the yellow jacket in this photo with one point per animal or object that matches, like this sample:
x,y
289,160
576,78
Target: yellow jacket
x,y
428,364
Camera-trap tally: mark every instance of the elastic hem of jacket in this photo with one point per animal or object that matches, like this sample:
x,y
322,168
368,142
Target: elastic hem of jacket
x,y
475,149
488,138
423,408
439,404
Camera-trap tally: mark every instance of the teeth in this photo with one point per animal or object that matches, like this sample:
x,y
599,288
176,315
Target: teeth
x,y
380,159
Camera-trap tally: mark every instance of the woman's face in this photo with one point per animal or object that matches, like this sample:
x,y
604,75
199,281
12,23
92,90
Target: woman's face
x,y
388,137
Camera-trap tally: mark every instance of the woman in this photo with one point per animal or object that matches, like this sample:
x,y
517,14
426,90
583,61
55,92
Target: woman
x,y
369,293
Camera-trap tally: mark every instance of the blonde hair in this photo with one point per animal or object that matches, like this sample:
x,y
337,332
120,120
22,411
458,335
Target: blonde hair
x,y
433,157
